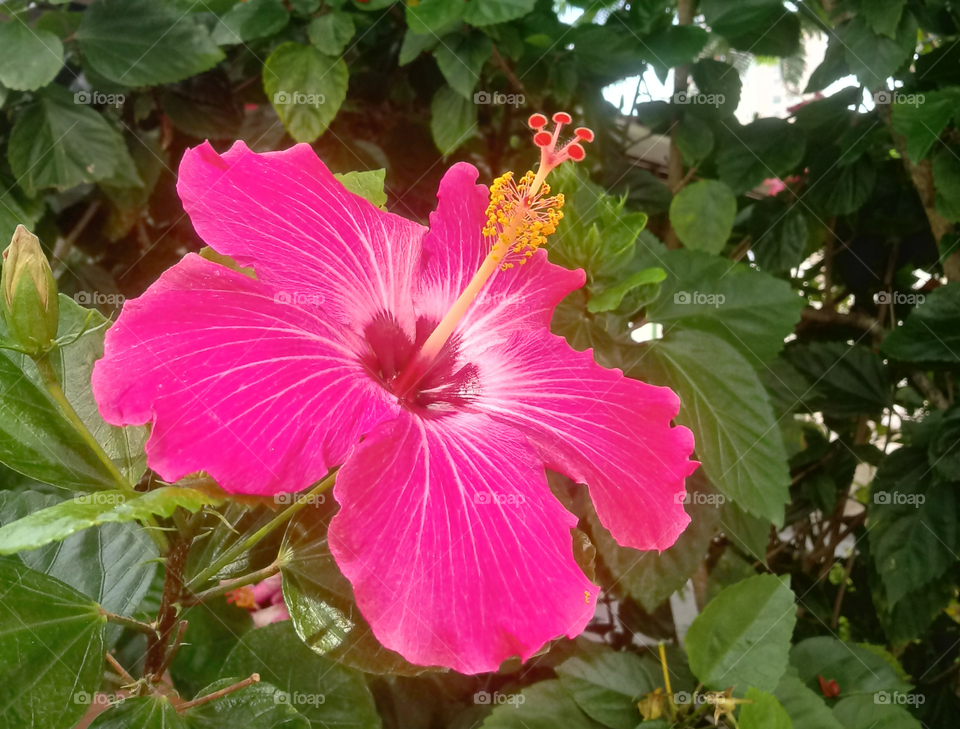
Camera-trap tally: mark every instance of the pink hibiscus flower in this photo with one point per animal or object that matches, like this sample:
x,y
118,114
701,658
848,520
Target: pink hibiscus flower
x,y
422,362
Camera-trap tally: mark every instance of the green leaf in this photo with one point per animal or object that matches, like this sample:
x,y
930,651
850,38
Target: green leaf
x,y
931,333
37,440
612,297
414,44
864,712
922,124
492,12
778,235
112,565
430,16
649,577
761,27
831,69
719,78
17,208
460,58
674,46
764,713
305,87
883,16
29,59
453,119
843,189
849,380
855,669
946,180
145,712
702,215
913,517
251,19
321,603
144,43
215,628
742,637
59,143
806,708
51,649
762,149
252,707
728,410
367,184
752,311
332,32
278,655
56,523
944,450
545,705
607,684
750,534
873,58
694,138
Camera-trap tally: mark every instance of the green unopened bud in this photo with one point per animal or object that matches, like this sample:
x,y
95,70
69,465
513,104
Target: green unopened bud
x,y
31,308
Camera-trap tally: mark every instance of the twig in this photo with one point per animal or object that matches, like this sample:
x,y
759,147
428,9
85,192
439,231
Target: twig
x,y
172,652
686,179
124,676
830,316
219,694
843,589
167,615
64,244
929,390
502,64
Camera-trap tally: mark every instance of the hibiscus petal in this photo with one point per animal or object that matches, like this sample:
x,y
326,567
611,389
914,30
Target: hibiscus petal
x,y
458,553
523,297
599,428
286,215
261,395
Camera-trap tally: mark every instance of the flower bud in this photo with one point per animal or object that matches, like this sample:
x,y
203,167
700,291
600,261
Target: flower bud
x,y
28,291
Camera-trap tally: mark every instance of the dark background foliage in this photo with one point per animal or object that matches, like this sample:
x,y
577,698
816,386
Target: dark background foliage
x,y
812,331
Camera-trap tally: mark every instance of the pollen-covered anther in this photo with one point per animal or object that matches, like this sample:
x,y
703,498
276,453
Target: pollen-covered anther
x,y
517,221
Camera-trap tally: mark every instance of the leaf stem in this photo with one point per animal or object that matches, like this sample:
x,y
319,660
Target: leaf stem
x,y
229,586
284,516
129,623
219,694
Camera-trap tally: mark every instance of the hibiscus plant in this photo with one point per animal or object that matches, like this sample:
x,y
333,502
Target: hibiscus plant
x,y
363,365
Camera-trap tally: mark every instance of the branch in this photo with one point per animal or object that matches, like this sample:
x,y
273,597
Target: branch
x,y
929,390
129,623
830,316
501,63
219,694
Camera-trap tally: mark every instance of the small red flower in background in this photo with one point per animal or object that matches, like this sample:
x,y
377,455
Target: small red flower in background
x,y
829,689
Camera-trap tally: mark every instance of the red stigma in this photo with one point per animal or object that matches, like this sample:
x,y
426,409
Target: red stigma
x,y
542,139
552,153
